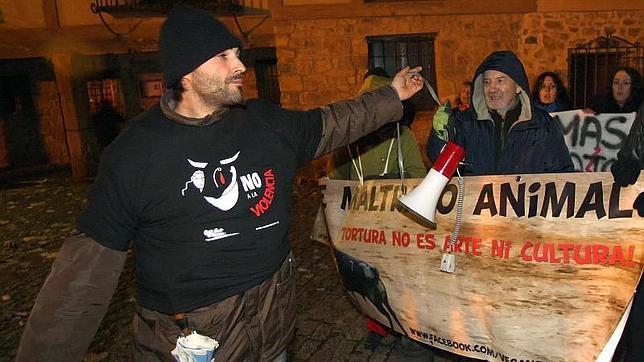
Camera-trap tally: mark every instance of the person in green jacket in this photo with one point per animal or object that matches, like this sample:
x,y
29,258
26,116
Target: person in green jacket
x,y
375,156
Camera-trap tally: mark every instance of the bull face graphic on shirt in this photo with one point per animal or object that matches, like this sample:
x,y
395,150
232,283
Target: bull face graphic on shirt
x,y
217,182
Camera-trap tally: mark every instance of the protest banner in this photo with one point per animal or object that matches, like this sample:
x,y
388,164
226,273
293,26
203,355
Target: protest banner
x,y
546,264
594,140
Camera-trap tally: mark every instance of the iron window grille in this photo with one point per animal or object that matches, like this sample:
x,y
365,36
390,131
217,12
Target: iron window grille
x,y
591,64
104,91
264,60
394,52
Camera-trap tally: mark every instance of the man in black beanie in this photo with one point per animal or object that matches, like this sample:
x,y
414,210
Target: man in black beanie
x,y
200,186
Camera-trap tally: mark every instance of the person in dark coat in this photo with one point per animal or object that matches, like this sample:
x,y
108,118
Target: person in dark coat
x,y
625,93
502,132
626,170
630,158
107,124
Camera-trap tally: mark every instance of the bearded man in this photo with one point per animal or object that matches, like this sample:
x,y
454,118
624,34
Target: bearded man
x,y
200,187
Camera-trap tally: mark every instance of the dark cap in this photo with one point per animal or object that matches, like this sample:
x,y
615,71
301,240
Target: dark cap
x,y
189,37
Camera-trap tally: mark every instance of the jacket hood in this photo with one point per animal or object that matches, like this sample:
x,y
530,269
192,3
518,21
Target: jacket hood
x,y
507,62
373,82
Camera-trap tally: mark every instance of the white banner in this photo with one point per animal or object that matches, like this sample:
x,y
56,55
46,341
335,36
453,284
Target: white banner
x,y
545,264
594,140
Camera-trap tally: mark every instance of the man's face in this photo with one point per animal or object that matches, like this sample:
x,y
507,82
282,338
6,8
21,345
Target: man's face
x,y
500,90
219,81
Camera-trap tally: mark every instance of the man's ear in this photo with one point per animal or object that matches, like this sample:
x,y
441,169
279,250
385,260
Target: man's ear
x,y
186,82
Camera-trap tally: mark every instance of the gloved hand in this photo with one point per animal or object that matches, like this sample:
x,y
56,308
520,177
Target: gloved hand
x,y
639,204
441,120
625,171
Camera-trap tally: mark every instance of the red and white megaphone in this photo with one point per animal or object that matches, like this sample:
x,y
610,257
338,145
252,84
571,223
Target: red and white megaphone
x,y
422,200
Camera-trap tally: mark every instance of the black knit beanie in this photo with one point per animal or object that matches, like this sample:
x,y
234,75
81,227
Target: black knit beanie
x,y
189,37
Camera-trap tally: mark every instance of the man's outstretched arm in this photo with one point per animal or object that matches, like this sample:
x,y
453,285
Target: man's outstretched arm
x,y
346,121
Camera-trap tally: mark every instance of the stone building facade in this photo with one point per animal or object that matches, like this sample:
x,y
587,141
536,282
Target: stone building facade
x,y
62,52
320,47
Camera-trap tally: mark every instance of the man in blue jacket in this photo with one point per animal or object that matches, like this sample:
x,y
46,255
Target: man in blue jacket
x,y
502,132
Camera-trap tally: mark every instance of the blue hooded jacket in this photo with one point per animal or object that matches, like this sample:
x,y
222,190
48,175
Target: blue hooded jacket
x,y
534,143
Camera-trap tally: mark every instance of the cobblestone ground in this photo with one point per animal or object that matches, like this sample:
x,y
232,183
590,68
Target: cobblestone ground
x,y
36,215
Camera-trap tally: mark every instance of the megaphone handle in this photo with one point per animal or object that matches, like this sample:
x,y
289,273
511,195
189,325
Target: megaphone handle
x,y
448,262
459,209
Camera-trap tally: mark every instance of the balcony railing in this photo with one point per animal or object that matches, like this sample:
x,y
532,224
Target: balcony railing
x,y
148,8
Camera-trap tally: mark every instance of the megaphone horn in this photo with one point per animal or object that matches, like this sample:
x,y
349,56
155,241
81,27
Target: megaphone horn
x,y
422,200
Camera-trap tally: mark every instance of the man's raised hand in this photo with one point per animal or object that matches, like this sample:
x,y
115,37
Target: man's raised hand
x,y
408,82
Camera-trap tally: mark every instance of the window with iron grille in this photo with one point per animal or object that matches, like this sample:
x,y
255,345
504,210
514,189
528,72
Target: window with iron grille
x,y
591,64
267,82
264,60
102,92
394,52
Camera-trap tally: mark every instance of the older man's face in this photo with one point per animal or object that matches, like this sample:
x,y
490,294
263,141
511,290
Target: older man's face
x,y
219,80
500,90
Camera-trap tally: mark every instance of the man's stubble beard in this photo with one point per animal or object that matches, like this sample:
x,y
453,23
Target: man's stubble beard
x,y
215,93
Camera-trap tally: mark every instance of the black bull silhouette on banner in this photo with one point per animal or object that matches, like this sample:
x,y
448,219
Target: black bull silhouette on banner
x,y
362,278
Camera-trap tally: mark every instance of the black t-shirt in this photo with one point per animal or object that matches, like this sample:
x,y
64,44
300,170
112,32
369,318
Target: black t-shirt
x,y
207,208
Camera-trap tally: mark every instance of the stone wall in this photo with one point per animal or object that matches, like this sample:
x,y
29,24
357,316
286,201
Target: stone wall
x,y
321,60
546,37
250,84
51,123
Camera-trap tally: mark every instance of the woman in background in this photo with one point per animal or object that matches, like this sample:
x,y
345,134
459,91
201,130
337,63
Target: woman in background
x,y
550,94
463,100
625,95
